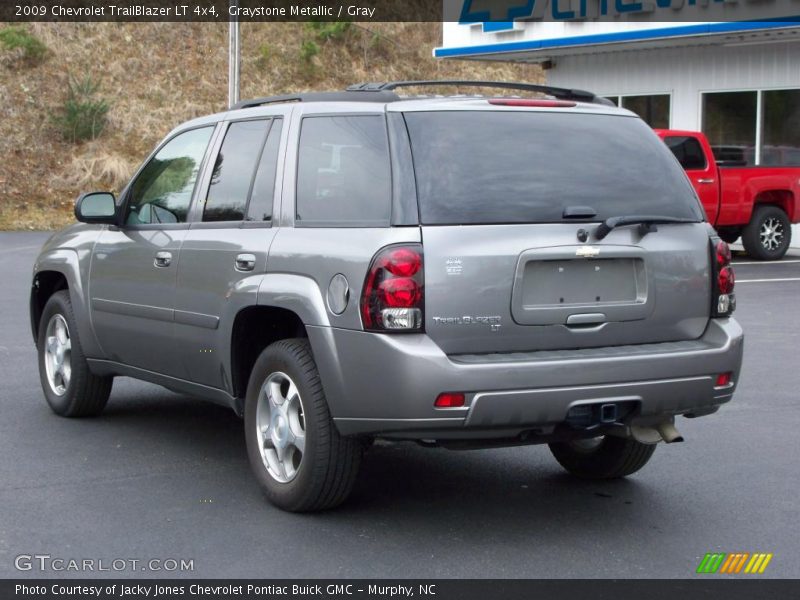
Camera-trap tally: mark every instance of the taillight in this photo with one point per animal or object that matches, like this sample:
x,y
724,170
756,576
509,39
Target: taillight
x,y
726,280
723,253
393,296
723,299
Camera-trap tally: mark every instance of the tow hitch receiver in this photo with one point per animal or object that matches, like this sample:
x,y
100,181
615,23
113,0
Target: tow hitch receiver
x,y
584,416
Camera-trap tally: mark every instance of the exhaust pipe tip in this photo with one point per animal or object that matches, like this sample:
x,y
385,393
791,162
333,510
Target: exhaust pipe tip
x,y
668,432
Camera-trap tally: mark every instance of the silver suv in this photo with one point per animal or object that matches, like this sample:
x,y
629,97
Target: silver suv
x,y
462,271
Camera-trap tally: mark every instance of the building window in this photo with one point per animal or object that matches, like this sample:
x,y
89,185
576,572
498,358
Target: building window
x,y
654,109
780,135
754,127
729,122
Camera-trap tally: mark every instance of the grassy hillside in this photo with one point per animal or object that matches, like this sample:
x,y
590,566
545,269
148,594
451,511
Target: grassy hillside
x,y
150,77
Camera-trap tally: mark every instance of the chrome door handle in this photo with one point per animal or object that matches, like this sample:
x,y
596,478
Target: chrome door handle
x,y
245,262
705,181
163,259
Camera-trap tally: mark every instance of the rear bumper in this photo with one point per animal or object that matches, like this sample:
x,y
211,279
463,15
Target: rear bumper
x,y
387,384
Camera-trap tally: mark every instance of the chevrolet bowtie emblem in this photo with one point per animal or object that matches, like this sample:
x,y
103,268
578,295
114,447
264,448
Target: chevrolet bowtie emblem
x,y
587,251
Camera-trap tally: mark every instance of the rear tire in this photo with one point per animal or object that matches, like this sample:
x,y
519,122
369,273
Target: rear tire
x,y
768,234
608,458
69,387
297,455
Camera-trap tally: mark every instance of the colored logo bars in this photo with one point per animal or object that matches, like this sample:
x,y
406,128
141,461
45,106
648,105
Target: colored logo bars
x,y
736,562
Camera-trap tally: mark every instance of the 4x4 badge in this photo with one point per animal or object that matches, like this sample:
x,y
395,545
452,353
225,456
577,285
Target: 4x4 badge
x,y
587,251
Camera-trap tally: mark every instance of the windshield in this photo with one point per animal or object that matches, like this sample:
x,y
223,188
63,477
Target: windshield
x,y
526,167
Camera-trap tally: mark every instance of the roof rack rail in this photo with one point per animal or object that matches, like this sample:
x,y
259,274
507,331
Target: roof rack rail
x,y
384,92
556,92
346,96
265,100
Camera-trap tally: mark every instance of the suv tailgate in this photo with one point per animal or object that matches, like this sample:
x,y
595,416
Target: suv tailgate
x,y
496,288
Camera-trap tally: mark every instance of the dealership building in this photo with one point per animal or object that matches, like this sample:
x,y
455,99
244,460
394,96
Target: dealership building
x,y
739,82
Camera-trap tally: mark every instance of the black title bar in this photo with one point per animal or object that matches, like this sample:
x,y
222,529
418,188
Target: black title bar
x,y
220,10
443,589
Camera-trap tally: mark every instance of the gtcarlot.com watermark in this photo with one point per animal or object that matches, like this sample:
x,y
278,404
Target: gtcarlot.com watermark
x,y
49,563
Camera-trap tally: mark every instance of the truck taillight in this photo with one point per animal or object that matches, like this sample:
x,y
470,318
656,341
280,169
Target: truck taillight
x,y
393,296
723,298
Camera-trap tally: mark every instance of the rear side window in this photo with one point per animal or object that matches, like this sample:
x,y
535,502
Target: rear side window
x,y
527,167
688,151
732,156
343,172
260,207
233,171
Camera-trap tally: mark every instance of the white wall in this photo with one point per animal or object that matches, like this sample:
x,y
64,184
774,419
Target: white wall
x,y
684,72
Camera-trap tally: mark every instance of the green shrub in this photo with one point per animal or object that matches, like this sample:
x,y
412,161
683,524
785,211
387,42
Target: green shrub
x,y
264,55
333,30
83,115
308,50
14,37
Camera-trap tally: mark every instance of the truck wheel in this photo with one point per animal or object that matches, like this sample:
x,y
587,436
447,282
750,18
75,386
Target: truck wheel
x,y
69,387
606,457
768,234
297,455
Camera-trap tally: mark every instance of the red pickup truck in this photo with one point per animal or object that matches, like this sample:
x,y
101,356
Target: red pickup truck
x,y
758,204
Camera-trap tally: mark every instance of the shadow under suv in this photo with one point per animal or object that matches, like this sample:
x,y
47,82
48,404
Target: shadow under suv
x,y
462,271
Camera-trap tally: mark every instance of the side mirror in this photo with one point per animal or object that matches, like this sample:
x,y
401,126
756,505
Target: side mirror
x,y
96,207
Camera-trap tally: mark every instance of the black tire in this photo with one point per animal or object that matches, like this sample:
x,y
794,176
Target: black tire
x,y
611,458
85,394
770,217
729,235
329,463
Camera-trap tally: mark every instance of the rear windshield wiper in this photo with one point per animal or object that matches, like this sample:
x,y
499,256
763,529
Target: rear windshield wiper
x,y
646,223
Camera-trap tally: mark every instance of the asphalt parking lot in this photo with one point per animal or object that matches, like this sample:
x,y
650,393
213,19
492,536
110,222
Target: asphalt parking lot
x,y
161,475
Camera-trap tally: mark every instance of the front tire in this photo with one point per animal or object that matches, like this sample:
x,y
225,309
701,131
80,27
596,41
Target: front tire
x,y
607,457
69,386
768,234
297,455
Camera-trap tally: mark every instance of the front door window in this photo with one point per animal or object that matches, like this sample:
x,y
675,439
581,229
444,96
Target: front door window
x,y
162,192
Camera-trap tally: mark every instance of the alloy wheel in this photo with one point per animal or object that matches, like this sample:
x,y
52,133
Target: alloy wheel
x,y
771,234
281,428
58,355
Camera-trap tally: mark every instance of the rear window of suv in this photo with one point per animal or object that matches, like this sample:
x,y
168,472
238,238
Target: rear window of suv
x,y
482,167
